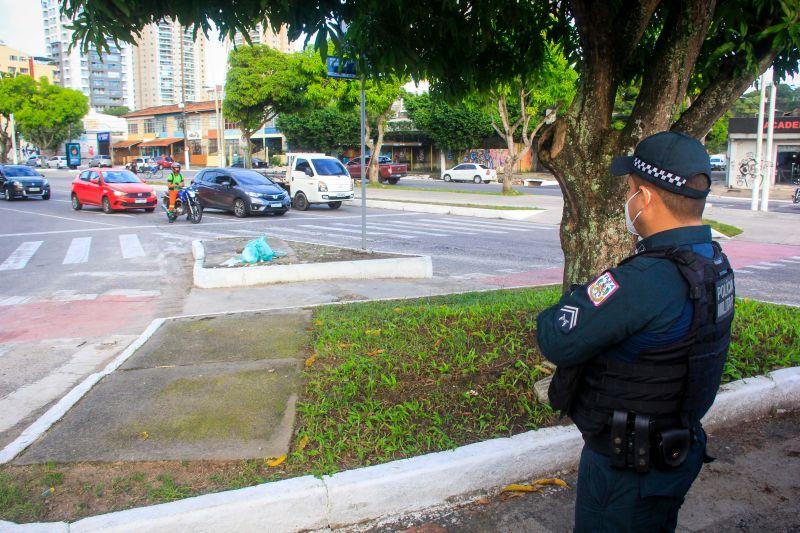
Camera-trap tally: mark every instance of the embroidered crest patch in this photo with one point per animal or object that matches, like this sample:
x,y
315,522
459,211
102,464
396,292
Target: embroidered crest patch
x,y
567,318
602,288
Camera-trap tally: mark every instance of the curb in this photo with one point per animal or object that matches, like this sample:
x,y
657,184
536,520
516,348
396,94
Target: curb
x,y
395,268
441,209
424,482
56,412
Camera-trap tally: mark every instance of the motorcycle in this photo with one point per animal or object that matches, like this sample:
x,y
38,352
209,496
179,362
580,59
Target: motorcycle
x,y
796,197
187,204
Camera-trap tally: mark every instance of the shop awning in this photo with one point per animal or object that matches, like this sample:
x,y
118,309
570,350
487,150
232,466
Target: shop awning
x,y
166,141
125,144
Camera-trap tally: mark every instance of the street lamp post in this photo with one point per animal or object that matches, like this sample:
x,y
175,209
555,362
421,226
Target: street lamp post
x,y
186,161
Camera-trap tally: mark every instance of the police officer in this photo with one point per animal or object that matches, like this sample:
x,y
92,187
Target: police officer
x,y
640,349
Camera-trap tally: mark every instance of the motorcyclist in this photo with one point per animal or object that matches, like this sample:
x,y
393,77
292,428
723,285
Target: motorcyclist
x,y
174,184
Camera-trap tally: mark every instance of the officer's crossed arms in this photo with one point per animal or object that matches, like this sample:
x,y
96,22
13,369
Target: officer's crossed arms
x,y
640,349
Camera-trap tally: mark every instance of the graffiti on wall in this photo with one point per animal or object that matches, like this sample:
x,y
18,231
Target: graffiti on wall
x,y
496,158
747,170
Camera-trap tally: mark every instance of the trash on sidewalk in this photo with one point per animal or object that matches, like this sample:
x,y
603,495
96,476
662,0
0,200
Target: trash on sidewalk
x,y
256,251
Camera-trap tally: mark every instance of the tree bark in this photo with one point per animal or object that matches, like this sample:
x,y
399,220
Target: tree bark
x,y
5,141
373,169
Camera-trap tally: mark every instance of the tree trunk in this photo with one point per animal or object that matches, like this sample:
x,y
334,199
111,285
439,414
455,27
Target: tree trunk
x,y
246,134
375,149
508,167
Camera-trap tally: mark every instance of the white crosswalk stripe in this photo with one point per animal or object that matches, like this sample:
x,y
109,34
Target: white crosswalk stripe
x,y
19,258
381,231
131,247
455,226
10,301
427,227
492,224
392,227
78,251
346,230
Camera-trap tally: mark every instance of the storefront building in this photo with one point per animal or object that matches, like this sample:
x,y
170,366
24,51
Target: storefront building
x,y
785,156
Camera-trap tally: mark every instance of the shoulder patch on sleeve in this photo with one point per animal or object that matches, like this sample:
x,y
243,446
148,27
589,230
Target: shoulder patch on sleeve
x,y
602,288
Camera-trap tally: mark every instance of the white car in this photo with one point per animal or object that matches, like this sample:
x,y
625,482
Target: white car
x,y
59,161
470,172
317,179
718,162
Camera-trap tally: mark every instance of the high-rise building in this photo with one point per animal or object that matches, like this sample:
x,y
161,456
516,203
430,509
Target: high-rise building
x,y
157,58
104,77
264,34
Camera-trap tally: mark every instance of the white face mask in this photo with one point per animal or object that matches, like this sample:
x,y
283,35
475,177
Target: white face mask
x,y
628,222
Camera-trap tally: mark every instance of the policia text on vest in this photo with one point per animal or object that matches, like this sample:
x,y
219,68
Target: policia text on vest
x,y
640,350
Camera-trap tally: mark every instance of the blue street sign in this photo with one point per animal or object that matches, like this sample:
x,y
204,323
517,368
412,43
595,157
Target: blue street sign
x,y
338,68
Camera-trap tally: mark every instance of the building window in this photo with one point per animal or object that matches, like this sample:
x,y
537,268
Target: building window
x,y
212,147
195,147
231,125
133,129
149,127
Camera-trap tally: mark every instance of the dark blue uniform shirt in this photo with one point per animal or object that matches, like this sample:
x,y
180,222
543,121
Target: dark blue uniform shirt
x,y
641,305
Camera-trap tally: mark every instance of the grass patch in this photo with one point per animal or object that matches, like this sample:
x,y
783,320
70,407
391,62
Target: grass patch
x,y
513,192
390,380
725,229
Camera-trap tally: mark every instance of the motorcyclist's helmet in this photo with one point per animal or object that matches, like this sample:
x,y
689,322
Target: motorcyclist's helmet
x,y
176,166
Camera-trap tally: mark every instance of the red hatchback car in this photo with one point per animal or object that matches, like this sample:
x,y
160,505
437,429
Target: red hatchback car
x,y
112,189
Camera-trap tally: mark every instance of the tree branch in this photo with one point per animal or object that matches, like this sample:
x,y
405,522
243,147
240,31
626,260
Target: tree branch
x,y
721,93
634,17
666,80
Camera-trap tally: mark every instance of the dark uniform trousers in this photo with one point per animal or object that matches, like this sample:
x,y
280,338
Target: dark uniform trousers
x,y
621,500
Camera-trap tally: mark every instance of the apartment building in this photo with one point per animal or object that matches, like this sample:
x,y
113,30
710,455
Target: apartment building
x,y
16,62
105,78
263,34
169,65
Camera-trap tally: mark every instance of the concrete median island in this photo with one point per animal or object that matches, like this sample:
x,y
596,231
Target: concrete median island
x,y
302,262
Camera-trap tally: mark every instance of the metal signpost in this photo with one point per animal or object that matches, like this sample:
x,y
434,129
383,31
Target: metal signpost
x,y
346,69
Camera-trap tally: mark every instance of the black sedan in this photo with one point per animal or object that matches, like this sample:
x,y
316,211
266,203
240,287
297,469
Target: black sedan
x,y
20,181
242,191
257,163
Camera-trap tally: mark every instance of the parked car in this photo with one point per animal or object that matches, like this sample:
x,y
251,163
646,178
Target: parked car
x,y
718,162
141,164
257,163
112,189
59,161
39,161
100,161
21,181
164,161
316,179
387,170
470,172
242,191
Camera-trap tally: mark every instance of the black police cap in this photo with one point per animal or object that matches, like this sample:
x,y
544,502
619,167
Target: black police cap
x,y
667,160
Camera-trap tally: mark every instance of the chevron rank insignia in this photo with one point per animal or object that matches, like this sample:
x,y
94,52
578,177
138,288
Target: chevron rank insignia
x,y
567,318
602,288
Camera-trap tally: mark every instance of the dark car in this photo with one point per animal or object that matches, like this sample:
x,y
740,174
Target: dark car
x,y
257,163
242,191
20,181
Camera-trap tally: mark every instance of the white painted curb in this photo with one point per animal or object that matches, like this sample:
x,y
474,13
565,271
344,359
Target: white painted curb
x,y
410,484
54,414
398,267
441,209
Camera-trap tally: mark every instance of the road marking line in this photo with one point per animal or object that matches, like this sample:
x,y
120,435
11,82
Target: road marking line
x,y
381,231
328,228
392,227
174,236
131,247
132,293
742,271
772,264
19,258
790,261
61,218
14,300
417,225
78,251
759,267
796,257
457,225
492,225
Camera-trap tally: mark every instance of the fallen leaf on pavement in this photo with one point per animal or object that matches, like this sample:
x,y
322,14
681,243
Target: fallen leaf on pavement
x,y
551,481
521,488
145,435
275,461
375,352
310,360
483,501
544,370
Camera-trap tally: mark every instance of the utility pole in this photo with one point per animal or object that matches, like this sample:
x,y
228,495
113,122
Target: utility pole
x,y
759,152
363,170
221,126
770,171
183,104
14,138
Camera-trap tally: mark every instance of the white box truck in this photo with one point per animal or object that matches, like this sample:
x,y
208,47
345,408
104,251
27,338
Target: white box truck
x,y
317,179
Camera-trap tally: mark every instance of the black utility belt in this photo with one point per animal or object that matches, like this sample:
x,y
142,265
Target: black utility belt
x,y
632,443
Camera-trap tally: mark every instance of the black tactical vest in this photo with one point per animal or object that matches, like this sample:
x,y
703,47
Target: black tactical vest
x,y
674,385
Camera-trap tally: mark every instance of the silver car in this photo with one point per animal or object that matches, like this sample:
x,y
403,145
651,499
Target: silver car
x,y
59,161
99,161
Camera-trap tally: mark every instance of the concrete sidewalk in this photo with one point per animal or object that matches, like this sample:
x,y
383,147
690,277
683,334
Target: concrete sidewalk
x,y
752,486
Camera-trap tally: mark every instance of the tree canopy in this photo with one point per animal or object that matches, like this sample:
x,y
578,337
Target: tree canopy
x,y
454,126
